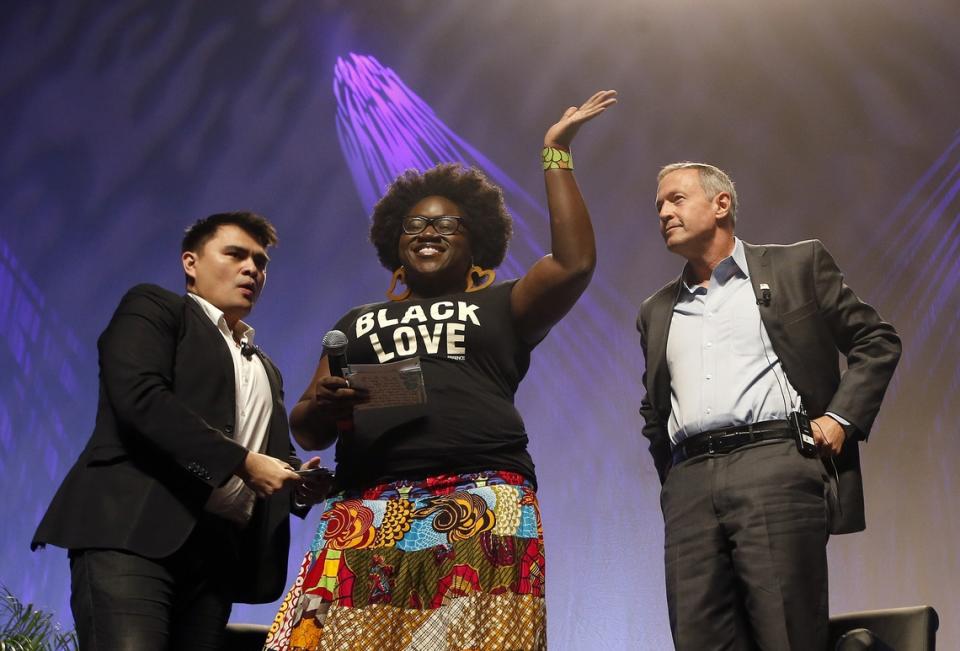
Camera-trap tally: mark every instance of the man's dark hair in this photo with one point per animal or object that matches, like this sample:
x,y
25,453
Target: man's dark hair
x,y
202,230
486,218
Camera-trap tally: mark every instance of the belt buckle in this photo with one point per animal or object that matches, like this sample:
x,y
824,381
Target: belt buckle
x,y
710,449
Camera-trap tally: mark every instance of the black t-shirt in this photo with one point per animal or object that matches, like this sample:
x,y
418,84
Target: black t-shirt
x,y
472,362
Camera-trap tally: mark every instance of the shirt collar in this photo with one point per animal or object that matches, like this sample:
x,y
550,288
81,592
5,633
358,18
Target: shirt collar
x,y
739,258
242,331
732,265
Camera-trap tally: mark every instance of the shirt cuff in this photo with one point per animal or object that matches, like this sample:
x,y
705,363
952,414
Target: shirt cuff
x,y
849,429
840,419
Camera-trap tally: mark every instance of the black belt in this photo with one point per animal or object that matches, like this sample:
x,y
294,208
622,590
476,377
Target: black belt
x,y
727,439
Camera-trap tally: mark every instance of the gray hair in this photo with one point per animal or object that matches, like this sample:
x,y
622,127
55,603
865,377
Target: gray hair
x,y
713,180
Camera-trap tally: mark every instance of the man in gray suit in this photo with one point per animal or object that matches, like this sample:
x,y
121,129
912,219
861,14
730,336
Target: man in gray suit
x,y
752,427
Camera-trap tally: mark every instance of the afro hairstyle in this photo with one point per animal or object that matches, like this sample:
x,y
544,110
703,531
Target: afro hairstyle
x,y
485,215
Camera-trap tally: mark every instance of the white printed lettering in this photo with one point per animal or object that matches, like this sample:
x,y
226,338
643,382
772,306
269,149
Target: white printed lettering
x,y
467,311
405,340
378,349
382,319
414,313
455,338
365,324
435,310
432,344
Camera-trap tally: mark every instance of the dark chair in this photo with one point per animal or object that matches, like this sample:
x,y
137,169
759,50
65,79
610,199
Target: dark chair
x,y
245,637
893,629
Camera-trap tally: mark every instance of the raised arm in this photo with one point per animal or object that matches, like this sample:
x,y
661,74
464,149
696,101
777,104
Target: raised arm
x,y
554,283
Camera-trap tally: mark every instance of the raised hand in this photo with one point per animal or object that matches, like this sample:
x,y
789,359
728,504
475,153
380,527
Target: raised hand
x,y
562,133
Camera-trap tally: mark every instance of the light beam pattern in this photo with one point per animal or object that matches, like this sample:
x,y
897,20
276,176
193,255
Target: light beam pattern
x,y
39,414
922,234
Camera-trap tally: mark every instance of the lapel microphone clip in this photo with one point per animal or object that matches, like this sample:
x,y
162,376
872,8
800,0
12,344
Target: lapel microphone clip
x,y
764,295
247,349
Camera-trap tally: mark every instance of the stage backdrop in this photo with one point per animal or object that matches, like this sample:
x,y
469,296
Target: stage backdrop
x,y
122,122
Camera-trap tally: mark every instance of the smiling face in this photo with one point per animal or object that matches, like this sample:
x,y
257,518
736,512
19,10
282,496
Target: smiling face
x,y
435,264
691,223
229,270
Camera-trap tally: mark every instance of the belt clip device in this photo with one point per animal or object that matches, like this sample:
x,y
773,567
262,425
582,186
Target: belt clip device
x,y
802,433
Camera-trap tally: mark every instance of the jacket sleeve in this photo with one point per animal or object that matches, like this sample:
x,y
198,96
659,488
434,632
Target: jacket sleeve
x,y
871,346
137,352
654,429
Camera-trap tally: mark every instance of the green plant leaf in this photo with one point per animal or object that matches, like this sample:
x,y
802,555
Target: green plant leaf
x,y
25,628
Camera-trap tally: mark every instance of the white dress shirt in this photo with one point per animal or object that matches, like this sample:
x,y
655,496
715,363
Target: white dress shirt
x,y
723,369
234,500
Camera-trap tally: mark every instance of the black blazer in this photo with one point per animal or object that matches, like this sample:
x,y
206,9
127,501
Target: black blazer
x,y
163,441
812,314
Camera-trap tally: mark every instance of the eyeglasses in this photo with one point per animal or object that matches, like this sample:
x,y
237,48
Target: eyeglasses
x,y
444,224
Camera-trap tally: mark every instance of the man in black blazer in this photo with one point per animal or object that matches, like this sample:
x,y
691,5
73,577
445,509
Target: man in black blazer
x,y
177,507
743,338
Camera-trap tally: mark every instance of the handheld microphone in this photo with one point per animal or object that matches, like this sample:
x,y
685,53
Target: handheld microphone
x,y
335,344
764,295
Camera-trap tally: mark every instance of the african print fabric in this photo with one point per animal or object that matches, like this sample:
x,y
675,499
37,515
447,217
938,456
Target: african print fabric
x,y
447,563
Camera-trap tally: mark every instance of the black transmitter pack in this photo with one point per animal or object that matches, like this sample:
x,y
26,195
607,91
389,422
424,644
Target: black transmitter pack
x,y
802,433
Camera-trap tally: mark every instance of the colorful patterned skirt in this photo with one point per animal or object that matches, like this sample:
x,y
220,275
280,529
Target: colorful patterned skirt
x,y
451,562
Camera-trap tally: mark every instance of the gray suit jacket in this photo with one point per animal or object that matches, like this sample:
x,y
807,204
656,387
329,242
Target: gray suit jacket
x,y
811,316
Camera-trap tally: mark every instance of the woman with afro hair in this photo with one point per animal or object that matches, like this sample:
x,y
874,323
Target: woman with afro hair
x,y
432,539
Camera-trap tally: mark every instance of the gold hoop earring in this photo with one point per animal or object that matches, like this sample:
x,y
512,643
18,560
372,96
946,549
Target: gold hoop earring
x,y
485,278
399,276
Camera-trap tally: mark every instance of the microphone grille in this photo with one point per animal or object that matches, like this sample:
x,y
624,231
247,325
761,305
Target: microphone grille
x,y
335,342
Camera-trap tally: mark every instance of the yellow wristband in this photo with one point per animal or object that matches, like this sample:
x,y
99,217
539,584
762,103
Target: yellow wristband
x,y
557,159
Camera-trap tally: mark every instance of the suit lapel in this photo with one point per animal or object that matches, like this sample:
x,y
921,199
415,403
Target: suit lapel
x,y
760,267
763,271
209,328
217,348
661,316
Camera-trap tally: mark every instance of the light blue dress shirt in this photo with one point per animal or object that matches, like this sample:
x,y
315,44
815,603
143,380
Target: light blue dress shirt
x,y
723,369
